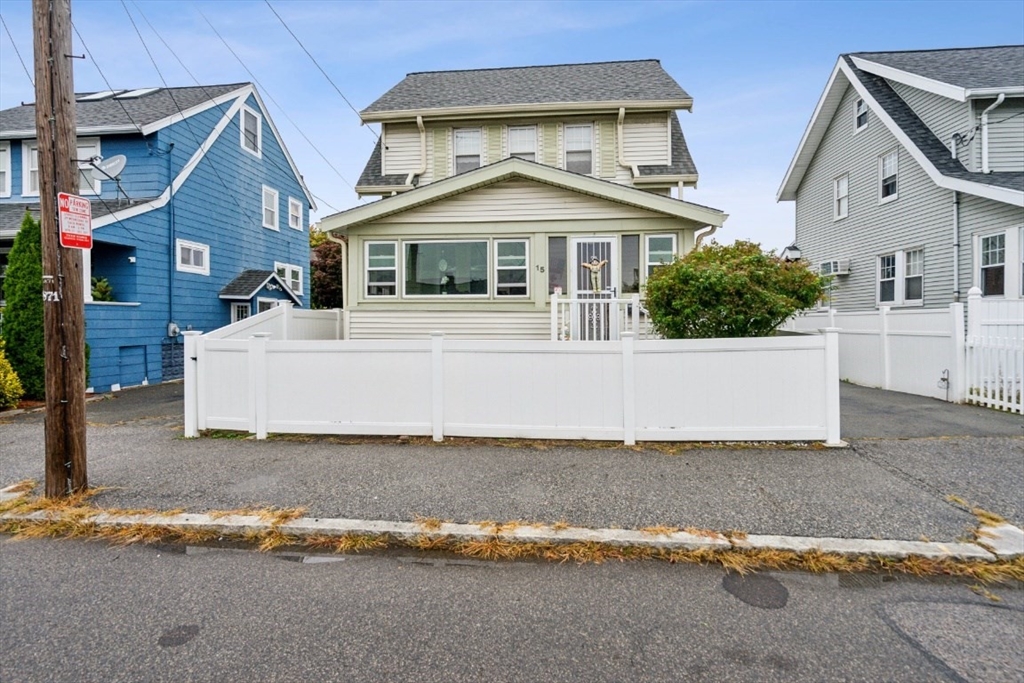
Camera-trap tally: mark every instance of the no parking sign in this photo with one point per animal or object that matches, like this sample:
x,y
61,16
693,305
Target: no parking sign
x,y
75,218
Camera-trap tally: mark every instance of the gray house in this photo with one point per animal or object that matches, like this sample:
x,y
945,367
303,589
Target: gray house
x,y
909,179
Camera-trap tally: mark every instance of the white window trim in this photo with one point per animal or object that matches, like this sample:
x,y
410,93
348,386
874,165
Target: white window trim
x,y
367,269
647,251
97,184
237,306
26,148
295,204
512,152
899,281
5,156
836,215
459,297
881,163
287,276
274,303
455,148
856,112
277,208
1013,276
194,246
525,267
566,150
259,130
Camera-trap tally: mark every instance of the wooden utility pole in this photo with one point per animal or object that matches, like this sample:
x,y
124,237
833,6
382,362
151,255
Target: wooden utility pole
x,y
63,306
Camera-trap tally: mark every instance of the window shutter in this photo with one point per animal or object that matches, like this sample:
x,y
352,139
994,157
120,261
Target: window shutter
x,y
441,156
493,144
550,144
607,154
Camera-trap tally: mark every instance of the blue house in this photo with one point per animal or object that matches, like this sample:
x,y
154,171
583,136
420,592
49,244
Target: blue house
x,y
205,225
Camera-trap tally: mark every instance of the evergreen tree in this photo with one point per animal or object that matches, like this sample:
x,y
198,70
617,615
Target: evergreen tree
x,y
23,315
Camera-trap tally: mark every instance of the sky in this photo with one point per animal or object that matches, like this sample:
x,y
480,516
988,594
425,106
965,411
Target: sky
x,y
755,70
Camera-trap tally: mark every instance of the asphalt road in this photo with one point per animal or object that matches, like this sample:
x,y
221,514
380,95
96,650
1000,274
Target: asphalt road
x,y
75,611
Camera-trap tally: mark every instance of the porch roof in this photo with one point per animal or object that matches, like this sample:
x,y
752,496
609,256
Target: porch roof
x,y
250,282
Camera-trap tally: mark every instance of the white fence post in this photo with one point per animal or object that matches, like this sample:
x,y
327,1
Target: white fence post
x,y
191,385
346,324
437,385
634,301
258,384
286,319
339,328
958,382
554,317
628,390
832,436
883,315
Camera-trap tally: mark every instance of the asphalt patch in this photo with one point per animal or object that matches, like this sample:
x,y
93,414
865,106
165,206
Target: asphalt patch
x,y
756,590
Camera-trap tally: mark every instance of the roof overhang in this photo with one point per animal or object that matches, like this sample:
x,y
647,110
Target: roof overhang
x,y
953,92
382,189
255,290
842,75
546,108
82,130
666,179
518,168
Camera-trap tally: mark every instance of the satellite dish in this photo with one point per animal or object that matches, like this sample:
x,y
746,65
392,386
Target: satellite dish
x,y
109,169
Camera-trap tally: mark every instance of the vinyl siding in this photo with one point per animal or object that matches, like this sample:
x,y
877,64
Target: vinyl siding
x,y
518,200
401,148
920,218
941,114
475,324
1005,135
979,216
645,140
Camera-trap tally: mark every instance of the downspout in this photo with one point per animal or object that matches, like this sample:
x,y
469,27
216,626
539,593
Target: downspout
x,y
423,152
173,251
956,246
700,237
984,132
343,243
619,147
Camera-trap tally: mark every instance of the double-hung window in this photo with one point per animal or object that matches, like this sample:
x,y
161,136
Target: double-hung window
x,y
87,183
251,124
888,176
294,213
579,148
860,115
901,278
511,263
292,275
381,268
467,149
661,250
30,168
522,142
192,257
841,197
993,265
270,209
5,169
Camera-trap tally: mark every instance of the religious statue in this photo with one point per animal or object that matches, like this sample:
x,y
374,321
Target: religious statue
x,y
595,267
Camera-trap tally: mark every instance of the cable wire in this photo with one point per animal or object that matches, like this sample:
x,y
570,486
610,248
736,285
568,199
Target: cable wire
x,y
104,77
15,46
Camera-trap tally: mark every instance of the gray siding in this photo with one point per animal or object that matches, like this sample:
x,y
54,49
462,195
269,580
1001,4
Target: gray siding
x,y
980,216
920,218
941,114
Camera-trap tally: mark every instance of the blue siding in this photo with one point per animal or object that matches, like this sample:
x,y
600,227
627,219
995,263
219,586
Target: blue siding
x,y
220,205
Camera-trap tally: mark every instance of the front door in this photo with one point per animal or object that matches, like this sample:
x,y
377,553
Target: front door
x,y
593,276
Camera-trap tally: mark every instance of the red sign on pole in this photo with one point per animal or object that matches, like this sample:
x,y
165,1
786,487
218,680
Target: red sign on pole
x,y
75,214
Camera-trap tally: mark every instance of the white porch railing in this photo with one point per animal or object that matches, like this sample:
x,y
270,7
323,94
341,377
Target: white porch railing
x,y
598,319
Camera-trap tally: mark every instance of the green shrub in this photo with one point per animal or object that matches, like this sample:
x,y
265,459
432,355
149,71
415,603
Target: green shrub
x,y
734,290
10,387
101,289
23,315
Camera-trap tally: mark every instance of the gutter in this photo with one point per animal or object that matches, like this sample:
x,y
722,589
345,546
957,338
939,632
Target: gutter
x,y
503,111
984,132
423,153
619,146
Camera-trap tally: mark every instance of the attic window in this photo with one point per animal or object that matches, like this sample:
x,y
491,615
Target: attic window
x,y
861,115
96,96
132,94
251,125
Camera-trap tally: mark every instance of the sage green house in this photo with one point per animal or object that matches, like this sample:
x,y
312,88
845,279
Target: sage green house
x,y
499,187
909,179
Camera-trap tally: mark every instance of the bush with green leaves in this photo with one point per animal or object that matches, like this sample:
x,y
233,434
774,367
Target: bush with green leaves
x,y
734,290
101,289
10,387
23,314
326,266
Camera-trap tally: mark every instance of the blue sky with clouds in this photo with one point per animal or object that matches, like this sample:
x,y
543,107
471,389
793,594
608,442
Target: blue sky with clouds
x,y
754,69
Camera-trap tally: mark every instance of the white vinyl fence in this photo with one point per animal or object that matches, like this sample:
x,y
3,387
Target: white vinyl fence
x,y
995,353
776,388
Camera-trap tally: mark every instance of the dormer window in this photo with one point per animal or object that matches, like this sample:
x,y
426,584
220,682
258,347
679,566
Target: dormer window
x,y
861,114
252,131
467,149
522,142
579,149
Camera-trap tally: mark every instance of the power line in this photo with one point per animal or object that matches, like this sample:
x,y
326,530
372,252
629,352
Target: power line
x,y
15,46
267,92
104,77
336,88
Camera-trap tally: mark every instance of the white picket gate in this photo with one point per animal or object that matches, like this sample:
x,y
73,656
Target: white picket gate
x,y
995,352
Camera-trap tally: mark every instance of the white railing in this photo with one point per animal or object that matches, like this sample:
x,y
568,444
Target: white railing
x,y
284,322
995,352
598,319
770,388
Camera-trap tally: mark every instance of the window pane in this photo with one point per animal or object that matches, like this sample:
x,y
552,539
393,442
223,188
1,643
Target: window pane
x,y
381,276
522,142
467,141
251,134
511,254
556,264
382,255
578,162
446,268
887,290
912,290
915,263
630,264
993,250
185,256
577,138
993,280
887,267
197,258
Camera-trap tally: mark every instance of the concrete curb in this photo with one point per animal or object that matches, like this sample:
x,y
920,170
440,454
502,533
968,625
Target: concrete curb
x,y
1003,542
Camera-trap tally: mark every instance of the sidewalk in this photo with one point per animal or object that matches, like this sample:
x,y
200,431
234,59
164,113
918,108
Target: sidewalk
x,y
907,455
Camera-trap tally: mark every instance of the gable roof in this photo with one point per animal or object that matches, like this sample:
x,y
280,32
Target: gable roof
x,y
920,142
519,168
249,282
598,85
118,115
957,73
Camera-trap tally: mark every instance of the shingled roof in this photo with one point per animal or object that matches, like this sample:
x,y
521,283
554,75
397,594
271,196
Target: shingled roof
x,y
634,81
12,214
117,113
968,68
249,282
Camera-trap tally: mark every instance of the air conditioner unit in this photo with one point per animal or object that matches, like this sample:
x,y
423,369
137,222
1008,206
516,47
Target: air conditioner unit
x,y
835,267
